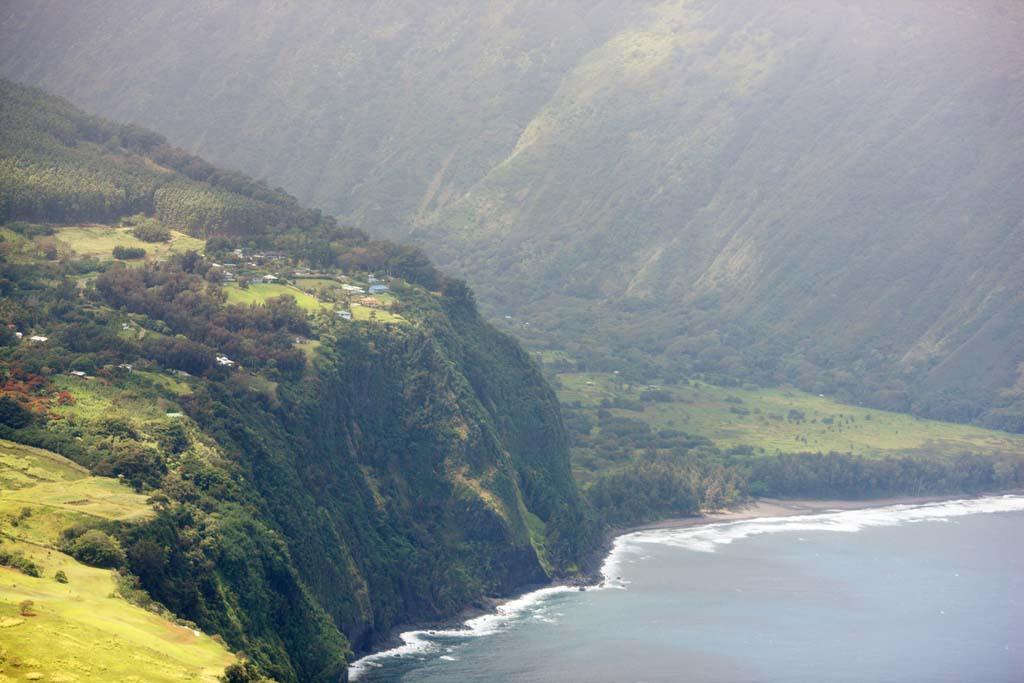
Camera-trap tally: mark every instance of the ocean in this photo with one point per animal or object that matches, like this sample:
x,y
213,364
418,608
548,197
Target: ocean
x,y
914,593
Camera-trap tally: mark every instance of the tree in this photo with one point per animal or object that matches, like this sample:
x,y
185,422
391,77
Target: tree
x,y
128,253
98,549
245,672
13,414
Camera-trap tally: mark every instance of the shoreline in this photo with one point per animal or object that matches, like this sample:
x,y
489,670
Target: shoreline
x,y
592,577
783,507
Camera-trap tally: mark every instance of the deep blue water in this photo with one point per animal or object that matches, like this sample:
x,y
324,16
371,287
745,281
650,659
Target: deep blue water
x,y
906,593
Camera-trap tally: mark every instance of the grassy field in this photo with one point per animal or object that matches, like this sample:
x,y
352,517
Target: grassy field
x,y
95,399
81,631
259,292
176,386
100,240
761,418
378,314
313,283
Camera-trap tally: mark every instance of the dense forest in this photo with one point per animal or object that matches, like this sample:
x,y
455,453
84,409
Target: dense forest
x,y
754,191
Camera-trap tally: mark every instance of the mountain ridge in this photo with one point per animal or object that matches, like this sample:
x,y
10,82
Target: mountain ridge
x,y
781,187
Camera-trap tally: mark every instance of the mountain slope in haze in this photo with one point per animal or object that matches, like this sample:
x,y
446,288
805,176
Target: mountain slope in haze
x,y
318,467
822,193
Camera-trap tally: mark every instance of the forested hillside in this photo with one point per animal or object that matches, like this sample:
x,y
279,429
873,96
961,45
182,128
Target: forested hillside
x,y
327,438
820,193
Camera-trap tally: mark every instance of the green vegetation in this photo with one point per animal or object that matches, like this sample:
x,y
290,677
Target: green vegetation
x,y
785,420
76,625
258,293
299,484
99,241
647,451
667,189
128,253
147,229
260,469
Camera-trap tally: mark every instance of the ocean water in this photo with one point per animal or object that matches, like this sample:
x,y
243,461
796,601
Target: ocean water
x,y
914,593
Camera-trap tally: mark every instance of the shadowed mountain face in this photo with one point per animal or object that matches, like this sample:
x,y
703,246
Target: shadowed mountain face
x,y
826,193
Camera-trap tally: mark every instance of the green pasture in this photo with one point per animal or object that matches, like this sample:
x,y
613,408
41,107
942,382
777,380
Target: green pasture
x,y
761,418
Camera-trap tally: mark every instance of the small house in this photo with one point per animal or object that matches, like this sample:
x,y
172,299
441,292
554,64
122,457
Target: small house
x,y
370,301
224,361
378,289
269,279
345,315
37,338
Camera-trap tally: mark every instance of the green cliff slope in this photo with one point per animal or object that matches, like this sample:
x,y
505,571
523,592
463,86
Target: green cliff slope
x,y
314,480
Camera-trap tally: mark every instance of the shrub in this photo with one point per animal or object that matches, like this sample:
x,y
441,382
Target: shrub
x,y
98,549
17,560
128,253
13,414
60,576
246,672
151,231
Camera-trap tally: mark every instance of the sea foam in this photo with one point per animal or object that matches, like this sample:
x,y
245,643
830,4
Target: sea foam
x,y
628,548
428,640
708,537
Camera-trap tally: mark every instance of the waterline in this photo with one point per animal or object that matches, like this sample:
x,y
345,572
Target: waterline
x,y
632,547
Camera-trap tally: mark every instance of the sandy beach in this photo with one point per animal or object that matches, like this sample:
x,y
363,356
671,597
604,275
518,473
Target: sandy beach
x,y
775,507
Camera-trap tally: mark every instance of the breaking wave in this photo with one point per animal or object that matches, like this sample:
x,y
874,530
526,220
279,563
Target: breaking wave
x,y
708,537
427,640
628,549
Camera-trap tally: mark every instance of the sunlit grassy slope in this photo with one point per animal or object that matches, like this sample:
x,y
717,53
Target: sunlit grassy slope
x,y
761,418
80,631
259,292
99,241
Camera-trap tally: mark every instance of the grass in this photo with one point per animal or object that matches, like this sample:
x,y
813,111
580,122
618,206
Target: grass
x,y
95,399
24,466
59,493
81,631
100,240
314,283
761,418
258,293
378,314
173,385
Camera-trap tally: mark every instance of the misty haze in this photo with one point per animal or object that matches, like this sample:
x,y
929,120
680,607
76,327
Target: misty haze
x,y
527,341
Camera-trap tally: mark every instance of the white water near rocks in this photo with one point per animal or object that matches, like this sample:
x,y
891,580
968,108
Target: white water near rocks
x,y
652,557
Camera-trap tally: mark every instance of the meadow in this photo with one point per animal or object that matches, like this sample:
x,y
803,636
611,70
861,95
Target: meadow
x,y
99,241
81,631
785,420
259,292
